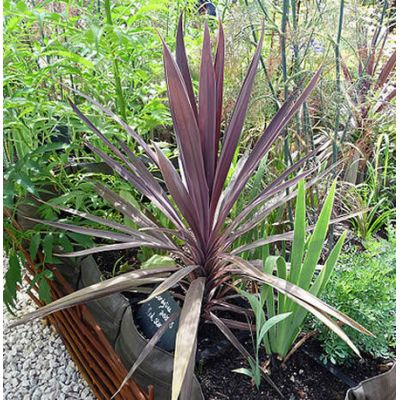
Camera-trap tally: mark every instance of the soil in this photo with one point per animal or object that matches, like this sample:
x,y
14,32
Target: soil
x,y
304,376
110,262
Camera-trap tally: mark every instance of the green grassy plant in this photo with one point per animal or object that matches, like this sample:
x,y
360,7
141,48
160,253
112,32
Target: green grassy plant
x,y
305,254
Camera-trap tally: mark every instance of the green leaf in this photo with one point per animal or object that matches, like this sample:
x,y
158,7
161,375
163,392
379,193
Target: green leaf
x,y
12,278
34,245
317,241
244,371
44,290
65,243
325,273
158,261
48,248
24,181
48,274
83,240
71,56
299,235
269,324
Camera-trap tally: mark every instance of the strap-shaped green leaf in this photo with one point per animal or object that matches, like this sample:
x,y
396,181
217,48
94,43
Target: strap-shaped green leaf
x,y
296,257
317,241
299,313
324,275
269,324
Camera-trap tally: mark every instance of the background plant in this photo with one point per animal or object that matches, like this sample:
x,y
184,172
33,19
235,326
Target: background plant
x,y
363,286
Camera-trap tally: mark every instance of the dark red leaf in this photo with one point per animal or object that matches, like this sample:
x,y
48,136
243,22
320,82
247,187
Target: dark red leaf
x,y
234,129
188,137
219,80
181,60
207,109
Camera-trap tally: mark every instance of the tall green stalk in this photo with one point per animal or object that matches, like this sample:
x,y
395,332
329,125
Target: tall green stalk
x,y
121,105
337,72
338,92
285,7
296,59
263,65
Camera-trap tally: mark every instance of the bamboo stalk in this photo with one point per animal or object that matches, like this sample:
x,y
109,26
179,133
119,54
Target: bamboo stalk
x,y
338,88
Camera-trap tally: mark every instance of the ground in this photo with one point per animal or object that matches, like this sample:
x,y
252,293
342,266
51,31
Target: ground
x,y
36,364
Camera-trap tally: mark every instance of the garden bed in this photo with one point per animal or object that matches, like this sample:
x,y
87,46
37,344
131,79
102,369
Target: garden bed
x,y
84,339
302,377
89,348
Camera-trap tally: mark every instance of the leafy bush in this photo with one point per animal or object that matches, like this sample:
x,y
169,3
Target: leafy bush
x,y
363,287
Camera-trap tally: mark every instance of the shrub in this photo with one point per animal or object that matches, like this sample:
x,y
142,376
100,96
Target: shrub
x,y
364,287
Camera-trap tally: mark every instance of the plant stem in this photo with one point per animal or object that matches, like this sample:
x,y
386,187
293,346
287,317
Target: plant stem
x,y
338,91
121,105
296,61
263,65
337,71
286,89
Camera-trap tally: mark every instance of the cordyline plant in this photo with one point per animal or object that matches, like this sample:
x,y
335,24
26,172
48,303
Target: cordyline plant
x,y
370,92
198,206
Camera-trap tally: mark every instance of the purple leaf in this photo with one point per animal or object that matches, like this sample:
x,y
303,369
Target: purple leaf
x,y
181,60
219,81
188,137
207,109
234,129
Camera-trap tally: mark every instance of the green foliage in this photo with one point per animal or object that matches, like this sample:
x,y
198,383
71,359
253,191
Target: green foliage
x,y
11,279
376,194
158,261
305,254
263,326
364,287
